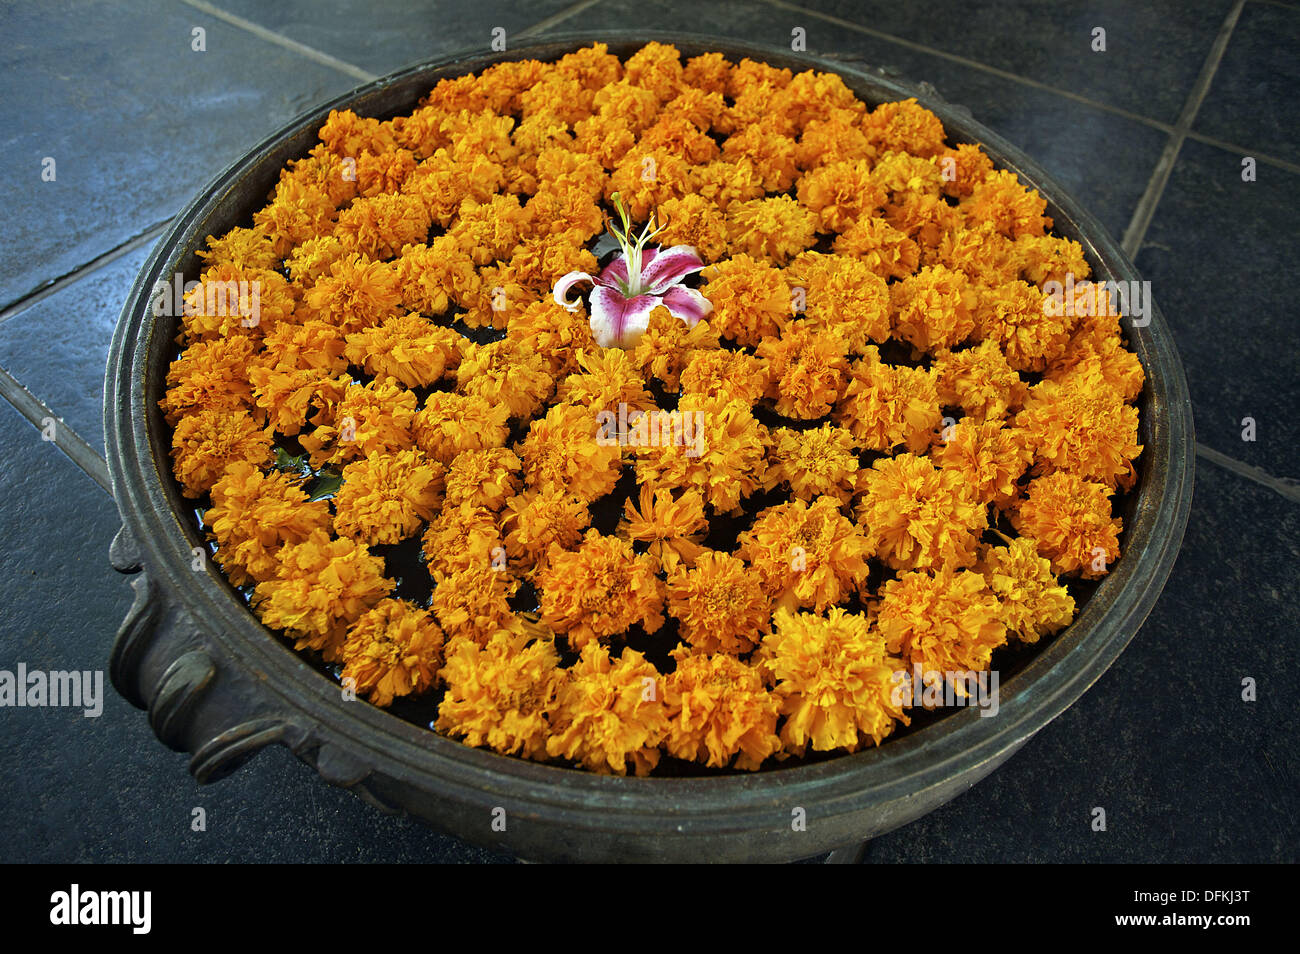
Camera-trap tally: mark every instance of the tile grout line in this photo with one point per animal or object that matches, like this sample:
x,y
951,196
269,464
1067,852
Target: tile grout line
x,y
65,438
1146,207
560,17
1244,151
280,39
973,64
81,271
1285,486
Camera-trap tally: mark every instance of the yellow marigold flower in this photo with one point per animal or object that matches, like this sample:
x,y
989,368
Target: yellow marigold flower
x,y
383,173
1082,426
668,344
212,375
1014,210
347,134
434,276
474,602
840,193
592,66
1070,519
312,259
748,74
498,695
695,221
355,294
561,452
288,396
905,126
676,134
504,373
386,497
709,72
393,649
843,297
230,301
606,138
599,590
554,332
1044,258
734,375
443,183
565,213
979,381
899,173
461,537
926,219
1018,318
719,453
608,377
483,478
807,555
243,248
313,344
321,587
981,253
932,309
726,182
1034,603
948,622
322,171
719,604
918,517
671,528
698,106
963,168
534,521
834,680
253,515
368,419
771,151
647,178
656,67
885,406
450,424
379,227
775,229
750,299
1105,363
609,715
207,442
812,96
813,463
885,250
719,711
298,212
409,349
805,369
838,138
988,456
538,263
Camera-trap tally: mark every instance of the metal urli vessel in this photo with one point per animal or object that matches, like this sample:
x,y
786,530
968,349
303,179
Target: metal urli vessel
x,y
218,685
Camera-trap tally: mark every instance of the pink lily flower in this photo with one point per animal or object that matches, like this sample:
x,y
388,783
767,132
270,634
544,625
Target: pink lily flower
x,y
635,283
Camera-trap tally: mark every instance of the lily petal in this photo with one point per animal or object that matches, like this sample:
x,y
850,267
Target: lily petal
x,y
567,282
669,267
618,322
688,304
615,273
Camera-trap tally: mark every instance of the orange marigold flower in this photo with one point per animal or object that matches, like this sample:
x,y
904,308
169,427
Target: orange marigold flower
x,y
774,229
982,253
988,456
288,396
1105,363
699,107
647,178
710,444
719,711
885,406
679,136
562,452
805,369
813,463
347,134
1022,322
298,212
1013,209
731,374
932,309
609,377
535,521
771,151
709,72
409,349
566,214
487,231
386,497
812,96
750,298
459,538
979,381
926,219
592,66
668,344
899,174
672,529
504,373
1082,426
609,715
599,590
498,695
839,138
208,441
885,250
538,263
483,478
918,517
380,226
656,67
1034,603
551,330
313,344
433,276
393,649
807,555
1070,519
355,294
243,248
474,601
212,375
321,587
230,301
946,622
253,515
905,126
695,221
834,680
726,182
1044,258
450,424
840,193
312,259
368,419
719,604
382,173
963,168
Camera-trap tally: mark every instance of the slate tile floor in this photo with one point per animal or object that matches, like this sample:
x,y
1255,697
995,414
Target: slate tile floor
x,y
1150,134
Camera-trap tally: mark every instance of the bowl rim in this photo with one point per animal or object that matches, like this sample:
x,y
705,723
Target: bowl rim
x,y
961,743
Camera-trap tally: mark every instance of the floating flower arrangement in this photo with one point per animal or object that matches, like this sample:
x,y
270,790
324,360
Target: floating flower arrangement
x,y
637,414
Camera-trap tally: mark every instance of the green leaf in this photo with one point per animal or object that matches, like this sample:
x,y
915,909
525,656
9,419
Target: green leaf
x,y
290,465
326,485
